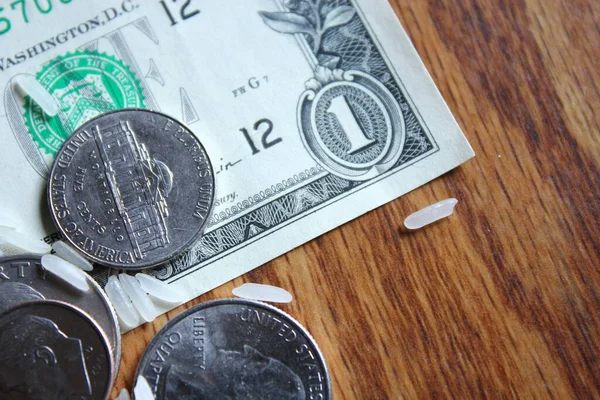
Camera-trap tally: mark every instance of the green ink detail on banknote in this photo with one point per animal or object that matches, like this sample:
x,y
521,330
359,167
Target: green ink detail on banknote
x,y
85,84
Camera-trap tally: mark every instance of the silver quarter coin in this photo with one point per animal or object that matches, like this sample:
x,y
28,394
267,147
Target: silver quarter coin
x,y
23,280
235,349
50,350
131,189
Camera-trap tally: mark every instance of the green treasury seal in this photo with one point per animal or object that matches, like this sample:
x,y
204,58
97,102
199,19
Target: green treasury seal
x,y
85,84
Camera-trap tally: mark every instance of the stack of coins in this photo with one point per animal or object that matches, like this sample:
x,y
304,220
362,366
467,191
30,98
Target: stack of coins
x,y
129,189
132,189
55,342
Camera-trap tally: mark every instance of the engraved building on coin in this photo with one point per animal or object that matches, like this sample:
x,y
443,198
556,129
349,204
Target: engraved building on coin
x,y
140,182
131,189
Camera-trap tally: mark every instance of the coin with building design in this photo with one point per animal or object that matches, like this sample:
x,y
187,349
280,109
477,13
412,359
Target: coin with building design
x,y
131,189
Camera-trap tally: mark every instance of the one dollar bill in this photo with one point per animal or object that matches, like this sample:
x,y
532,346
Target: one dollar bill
x,y
312,111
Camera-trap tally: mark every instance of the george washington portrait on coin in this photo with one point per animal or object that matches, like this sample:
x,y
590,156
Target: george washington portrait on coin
x,y
236,375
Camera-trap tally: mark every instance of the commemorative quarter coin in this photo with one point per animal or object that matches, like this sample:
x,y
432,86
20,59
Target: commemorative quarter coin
x,y
131,189
50,350
234,349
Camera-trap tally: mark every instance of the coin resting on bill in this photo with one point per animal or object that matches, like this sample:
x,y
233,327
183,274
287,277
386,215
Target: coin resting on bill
x,y
131,189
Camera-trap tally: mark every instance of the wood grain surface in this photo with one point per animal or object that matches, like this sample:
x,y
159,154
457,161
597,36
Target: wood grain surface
x,y
501,300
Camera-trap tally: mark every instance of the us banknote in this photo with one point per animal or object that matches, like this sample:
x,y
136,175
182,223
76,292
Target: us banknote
x,y
312,111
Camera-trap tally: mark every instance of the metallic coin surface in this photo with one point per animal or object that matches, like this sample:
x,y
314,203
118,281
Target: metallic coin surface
x,y
131,189
23,280
51,350
234,349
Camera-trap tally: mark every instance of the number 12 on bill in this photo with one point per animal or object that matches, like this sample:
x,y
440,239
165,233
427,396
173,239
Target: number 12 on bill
x,y
180,10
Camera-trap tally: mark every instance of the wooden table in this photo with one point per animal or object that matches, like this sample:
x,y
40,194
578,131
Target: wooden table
x,y
503,298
